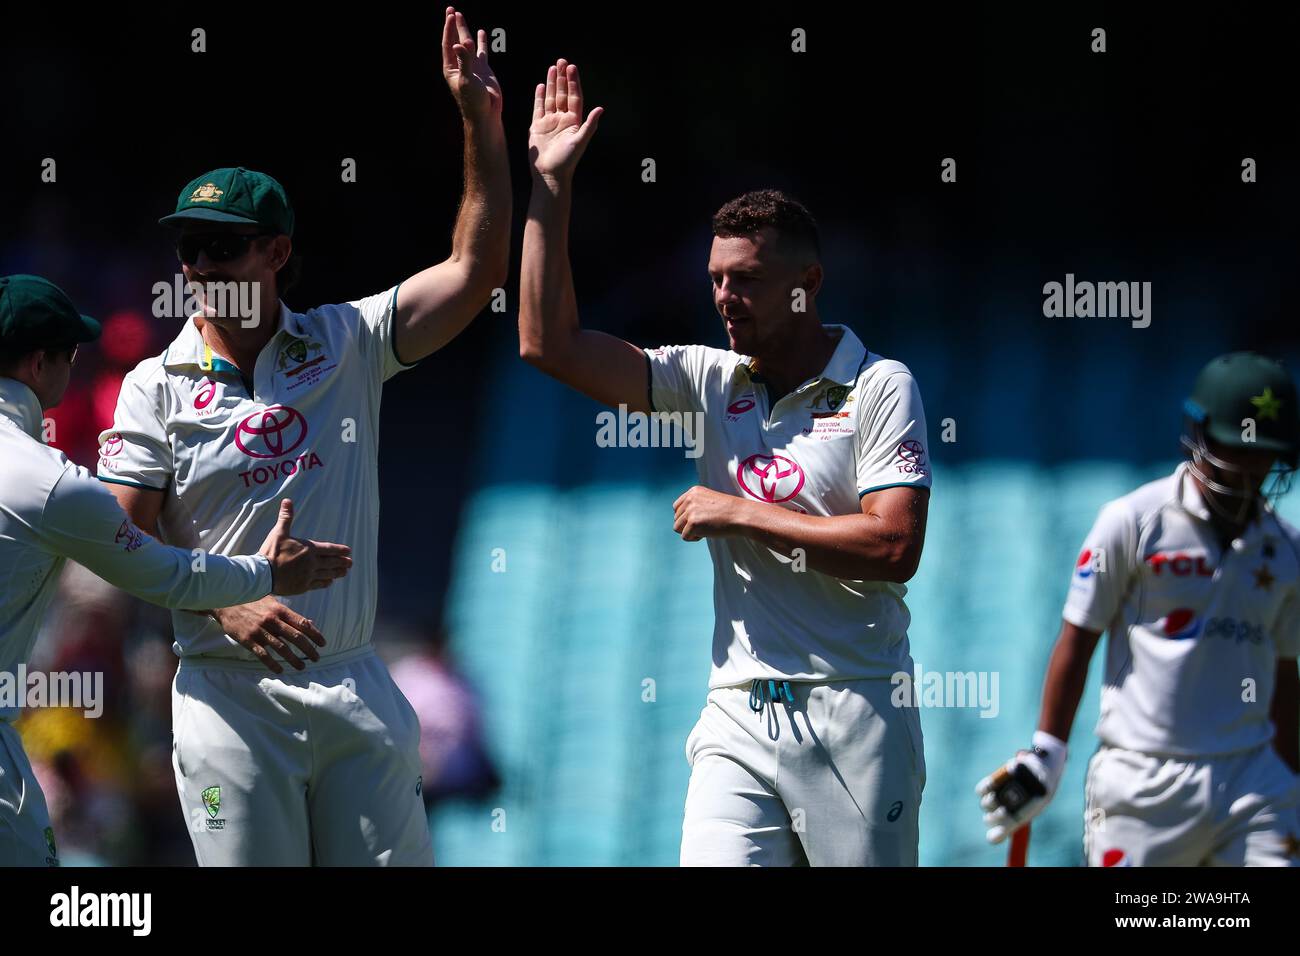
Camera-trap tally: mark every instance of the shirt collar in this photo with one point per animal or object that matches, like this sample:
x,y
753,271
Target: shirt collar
x,y
844,365
19,404
846,362
188,348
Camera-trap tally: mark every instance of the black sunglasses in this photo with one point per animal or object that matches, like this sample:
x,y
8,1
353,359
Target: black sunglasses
x,y
220,246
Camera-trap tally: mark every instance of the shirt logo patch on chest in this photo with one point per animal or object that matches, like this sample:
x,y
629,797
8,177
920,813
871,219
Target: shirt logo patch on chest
x,y
739,407
273,432
206,392
831,399
1180,564
1179,624
205,398
770,478
301,362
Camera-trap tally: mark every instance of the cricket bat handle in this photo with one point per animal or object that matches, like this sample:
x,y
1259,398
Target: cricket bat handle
x,y
1018,854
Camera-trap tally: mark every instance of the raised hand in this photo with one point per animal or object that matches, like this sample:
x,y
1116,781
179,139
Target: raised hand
x,y
558,136
466,69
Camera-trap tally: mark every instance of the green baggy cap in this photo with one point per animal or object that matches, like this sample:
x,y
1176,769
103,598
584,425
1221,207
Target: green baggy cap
x,y
234,195
37,314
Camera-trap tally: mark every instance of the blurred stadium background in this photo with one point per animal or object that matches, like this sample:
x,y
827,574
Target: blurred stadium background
x,y
540,745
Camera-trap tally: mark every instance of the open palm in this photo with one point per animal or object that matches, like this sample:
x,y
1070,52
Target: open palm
x,y
558,136
466,69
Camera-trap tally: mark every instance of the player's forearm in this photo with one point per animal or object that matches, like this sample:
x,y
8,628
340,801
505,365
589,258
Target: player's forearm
x,y
548,311
481,238
1067,673
854,547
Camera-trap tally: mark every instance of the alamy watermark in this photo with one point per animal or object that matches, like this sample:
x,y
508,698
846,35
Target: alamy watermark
x,y
82,691
651,430
181,299
942,689
1101,300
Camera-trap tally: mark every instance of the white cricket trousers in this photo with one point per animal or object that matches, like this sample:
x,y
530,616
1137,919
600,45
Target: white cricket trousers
x,y
1232,810
831,777
313,767
26,838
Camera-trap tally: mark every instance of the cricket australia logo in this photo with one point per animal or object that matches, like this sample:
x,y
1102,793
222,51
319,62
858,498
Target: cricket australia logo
x,y
212,804
301,362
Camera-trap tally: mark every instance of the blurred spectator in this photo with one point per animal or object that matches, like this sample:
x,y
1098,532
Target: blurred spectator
x,y
452,750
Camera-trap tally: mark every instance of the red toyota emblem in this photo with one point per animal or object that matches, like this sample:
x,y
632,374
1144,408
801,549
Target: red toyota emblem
x,y
274,431
203,397
771,478
112,445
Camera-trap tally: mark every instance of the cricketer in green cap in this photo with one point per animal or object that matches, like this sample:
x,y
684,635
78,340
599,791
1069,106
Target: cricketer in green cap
x,y
1242,424
40,330
234,195
234,231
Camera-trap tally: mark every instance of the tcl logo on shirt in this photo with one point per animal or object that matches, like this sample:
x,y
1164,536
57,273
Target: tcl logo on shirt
x,y
1180,564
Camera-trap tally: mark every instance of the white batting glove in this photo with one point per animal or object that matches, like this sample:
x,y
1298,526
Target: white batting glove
x,y
1021,788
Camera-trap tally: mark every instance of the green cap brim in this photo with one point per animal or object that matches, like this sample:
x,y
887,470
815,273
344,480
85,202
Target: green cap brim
x,y
91,329
204,215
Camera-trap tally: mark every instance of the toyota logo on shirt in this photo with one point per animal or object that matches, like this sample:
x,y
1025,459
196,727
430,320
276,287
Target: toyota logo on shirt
x,y
273,432
112,445
770,478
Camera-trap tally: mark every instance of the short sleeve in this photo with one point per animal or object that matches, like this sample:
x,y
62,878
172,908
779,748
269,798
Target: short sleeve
x,y
136,450
892,448
1103,569
679,376
377,313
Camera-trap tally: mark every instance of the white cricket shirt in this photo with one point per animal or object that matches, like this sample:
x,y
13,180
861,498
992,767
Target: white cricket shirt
x,y
224,458
856,428
52,510
1193,626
